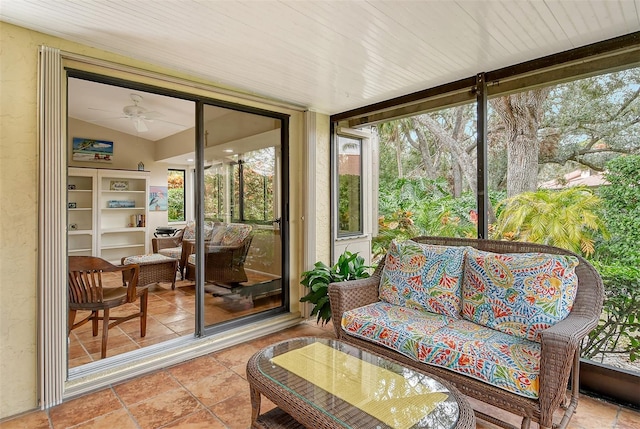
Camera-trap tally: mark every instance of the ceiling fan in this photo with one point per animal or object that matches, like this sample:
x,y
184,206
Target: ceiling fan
x,y
137,114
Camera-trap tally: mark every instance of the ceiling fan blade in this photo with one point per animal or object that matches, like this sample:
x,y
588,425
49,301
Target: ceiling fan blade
x,y
106,119
140,125
152,115
103,110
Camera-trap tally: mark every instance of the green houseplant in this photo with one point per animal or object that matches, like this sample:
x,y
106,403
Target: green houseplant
x,y
350,266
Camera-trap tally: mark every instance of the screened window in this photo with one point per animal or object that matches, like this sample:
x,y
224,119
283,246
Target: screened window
x,y
176,197
349,165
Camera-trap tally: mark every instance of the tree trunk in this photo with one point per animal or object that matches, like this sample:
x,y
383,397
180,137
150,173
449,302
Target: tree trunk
x,y
457,181
521,114
398,145
466,163
422,145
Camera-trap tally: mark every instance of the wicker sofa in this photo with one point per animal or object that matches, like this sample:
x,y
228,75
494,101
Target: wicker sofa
x,y
387,314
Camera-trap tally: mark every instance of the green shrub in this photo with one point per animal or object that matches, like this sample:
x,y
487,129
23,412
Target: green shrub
x,y
350,266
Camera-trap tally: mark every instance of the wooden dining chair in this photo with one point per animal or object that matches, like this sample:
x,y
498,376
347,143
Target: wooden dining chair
x,y
87,292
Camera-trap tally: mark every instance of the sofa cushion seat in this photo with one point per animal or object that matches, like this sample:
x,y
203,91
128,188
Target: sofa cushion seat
x,y
394,326
500,359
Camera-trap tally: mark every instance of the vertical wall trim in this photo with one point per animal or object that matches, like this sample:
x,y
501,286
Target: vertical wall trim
x,y
52,292
482,192
310,239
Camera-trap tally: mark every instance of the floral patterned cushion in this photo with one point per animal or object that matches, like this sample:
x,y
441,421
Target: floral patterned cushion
x,y
499,359
190,230
217,234
235,234
171,252
494,357
424,276
149,258
519,294
399,328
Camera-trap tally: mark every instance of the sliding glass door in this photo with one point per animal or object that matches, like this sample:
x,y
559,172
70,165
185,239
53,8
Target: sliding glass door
x,y
242,199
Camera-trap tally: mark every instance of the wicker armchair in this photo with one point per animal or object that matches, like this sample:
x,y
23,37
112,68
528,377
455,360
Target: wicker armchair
x,y
560,343
174,247
86,292
224,261
171,247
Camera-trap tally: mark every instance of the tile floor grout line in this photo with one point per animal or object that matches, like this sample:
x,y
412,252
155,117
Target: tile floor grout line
x,y
129,413
191,393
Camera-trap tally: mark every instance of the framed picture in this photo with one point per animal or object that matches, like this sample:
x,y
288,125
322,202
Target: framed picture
x,y
158,198
72,205
119,185
90,150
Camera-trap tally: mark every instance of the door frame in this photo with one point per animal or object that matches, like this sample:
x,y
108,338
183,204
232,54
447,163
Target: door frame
x,y
55,383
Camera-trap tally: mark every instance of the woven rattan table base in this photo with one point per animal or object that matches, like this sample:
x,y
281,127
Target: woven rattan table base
x,y
276,419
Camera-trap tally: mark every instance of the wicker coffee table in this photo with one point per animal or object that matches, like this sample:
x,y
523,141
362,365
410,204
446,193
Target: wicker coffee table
x,y
323,383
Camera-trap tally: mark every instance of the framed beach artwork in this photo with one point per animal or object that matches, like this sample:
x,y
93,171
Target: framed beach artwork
x,y
158,198
91,150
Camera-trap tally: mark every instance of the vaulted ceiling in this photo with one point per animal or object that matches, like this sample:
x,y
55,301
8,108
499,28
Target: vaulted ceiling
x,y
330,56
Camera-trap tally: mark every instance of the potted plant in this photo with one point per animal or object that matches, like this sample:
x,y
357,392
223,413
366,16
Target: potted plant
x,y
350,266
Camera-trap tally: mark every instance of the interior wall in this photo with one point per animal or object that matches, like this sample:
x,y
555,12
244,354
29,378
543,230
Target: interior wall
x,y
19,173
176,145
128,151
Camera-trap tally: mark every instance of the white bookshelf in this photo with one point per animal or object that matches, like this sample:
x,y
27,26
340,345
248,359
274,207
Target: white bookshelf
x,y
123,213
107,213
81,213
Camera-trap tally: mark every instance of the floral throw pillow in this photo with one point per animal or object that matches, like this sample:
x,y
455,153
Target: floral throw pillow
x,y
424,277
520,294
235,234
189,231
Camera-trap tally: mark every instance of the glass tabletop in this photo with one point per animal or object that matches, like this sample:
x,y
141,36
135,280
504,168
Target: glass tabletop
x,y
354,386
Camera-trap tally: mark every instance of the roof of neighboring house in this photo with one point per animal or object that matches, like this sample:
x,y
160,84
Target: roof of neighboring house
x,y
576,178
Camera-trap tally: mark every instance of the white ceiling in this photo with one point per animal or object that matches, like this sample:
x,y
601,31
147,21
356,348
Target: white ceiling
x,y
330,56
103,105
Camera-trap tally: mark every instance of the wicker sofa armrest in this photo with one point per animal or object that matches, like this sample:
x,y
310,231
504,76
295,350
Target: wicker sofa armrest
x,y
560,343
344,296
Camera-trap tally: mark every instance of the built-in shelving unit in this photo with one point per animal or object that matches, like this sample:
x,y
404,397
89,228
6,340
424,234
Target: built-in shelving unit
x,y
107,213
81,214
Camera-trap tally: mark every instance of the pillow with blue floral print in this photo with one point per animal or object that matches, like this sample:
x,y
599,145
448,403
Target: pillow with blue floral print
x,y
424,277
520,294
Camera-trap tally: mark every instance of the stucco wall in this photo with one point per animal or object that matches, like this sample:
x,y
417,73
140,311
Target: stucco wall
x,y
19,166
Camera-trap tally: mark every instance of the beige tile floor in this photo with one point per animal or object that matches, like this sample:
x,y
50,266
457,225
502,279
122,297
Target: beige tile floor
x,y
212,392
